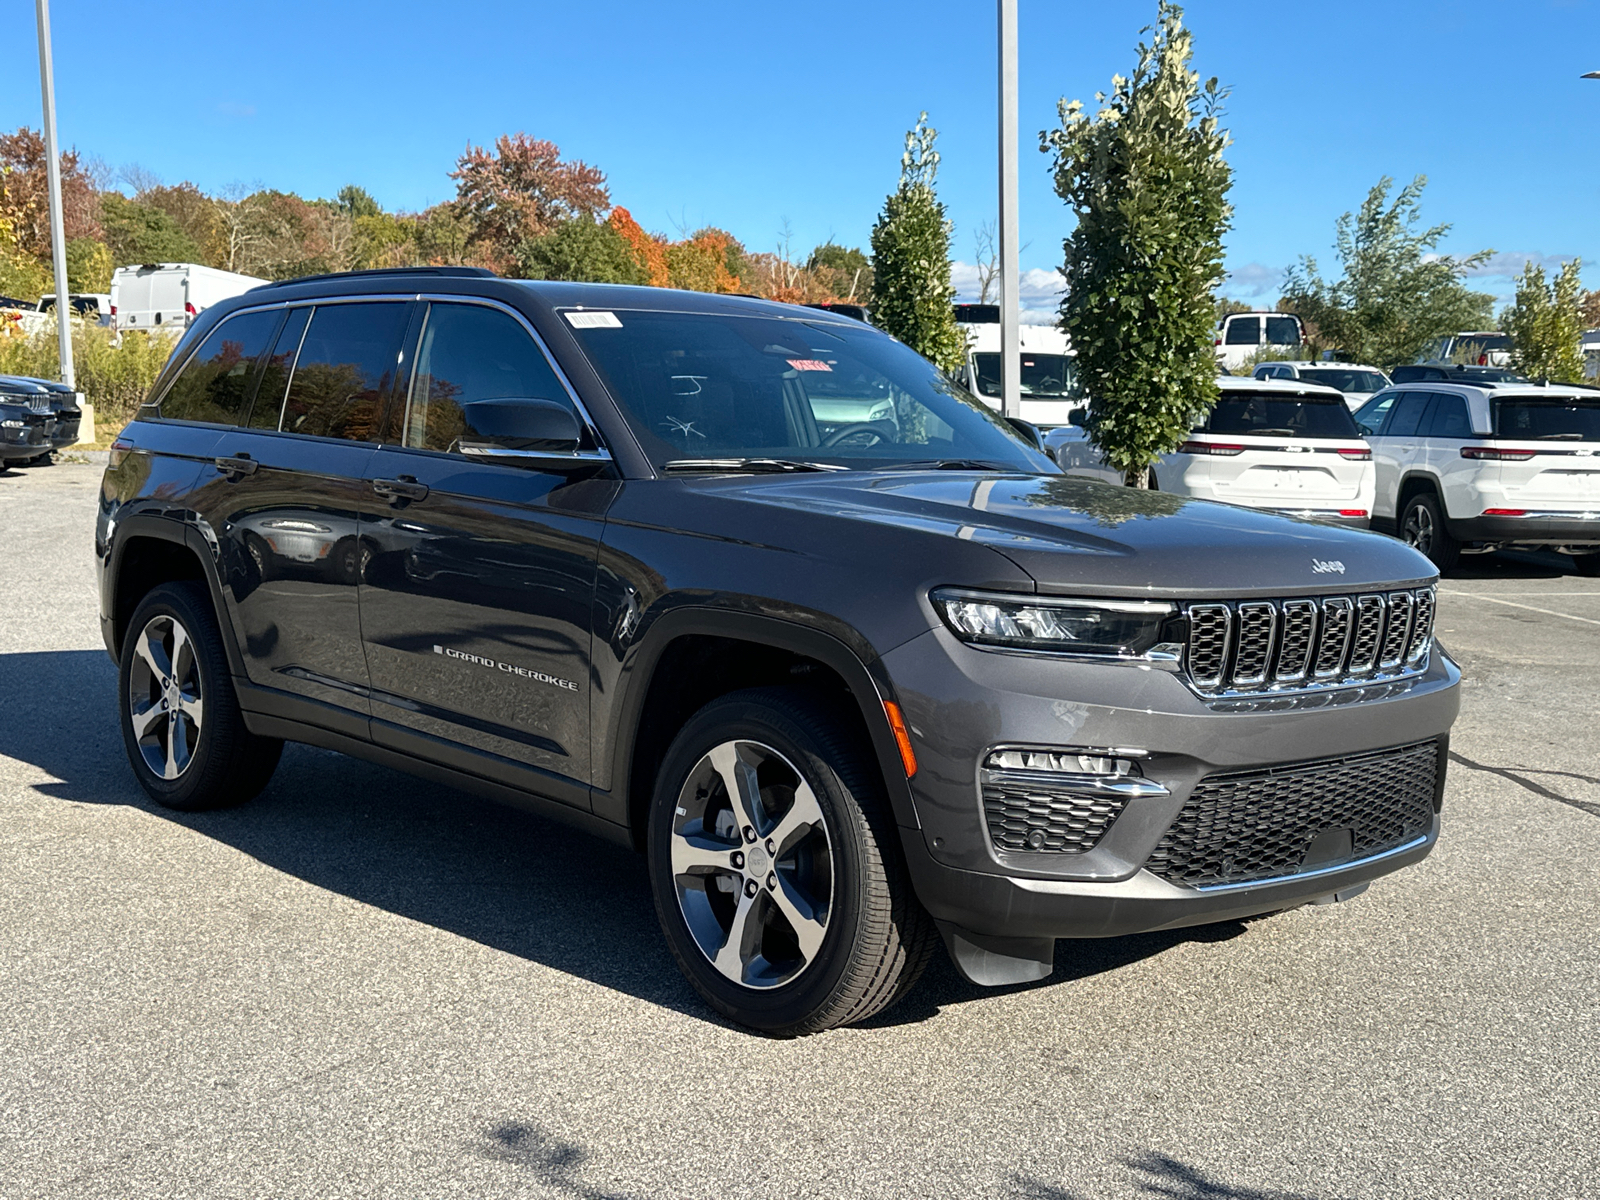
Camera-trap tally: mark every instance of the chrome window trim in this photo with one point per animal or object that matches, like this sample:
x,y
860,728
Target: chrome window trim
x,y
288,380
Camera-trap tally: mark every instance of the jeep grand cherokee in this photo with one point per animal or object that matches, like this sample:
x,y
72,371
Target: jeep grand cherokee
x,y
584,549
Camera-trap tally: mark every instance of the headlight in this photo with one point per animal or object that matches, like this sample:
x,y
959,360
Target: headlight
x,y
10,424
1107,628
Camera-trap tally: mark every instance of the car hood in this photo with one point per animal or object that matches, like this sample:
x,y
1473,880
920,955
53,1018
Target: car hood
x,y
1076,535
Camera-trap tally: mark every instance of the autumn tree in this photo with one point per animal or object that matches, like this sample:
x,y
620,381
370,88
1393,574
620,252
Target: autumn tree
x,y
1146,180
649,251
700,262
845,271
25,194
522,189
581,249
911,290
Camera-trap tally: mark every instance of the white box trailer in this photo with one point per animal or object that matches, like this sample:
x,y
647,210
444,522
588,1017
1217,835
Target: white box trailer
x,y
168,296
1046,365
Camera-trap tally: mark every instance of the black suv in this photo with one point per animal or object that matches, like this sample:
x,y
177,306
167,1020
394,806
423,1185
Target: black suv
x,y
55,427
757,590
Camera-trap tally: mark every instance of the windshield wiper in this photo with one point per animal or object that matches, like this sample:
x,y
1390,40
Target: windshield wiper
x,y
951,464
745,466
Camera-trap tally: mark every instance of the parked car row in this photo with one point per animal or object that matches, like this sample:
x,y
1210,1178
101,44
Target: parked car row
x,y
37,417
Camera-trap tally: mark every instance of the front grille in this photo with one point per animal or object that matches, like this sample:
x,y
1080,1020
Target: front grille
x,y
1293,645
1029,813
1258,824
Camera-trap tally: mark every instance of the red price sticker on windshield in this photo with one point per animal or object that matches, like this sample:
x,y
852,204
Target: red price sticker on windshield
x,y
809,364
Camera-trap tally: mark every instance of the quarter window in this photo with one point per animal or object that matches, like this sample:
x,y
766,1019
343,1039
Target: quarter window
x,y
469,353
345,371
215,384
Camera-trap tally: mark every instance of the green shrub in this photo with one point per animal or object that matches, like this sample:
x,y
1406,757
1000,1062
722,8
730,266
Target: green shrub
x,y
115,377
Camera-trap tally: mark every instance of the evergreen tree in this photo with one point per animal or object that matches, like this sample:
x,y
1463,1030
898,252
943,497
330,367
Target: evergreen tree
x,y
580,249
912,296
1146,179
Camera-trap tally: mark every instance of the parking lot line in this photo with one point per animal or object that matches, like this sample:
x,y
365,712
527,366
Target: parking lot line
x,y
1549,612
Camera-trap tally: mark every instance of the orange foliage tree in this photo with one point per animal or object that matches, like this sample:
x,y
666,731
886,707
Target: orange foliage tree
x,y
649,250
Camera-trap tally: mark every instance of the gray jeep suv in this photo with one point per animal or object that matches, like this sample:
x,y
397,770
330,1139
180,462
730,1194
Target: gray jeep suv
x,y
850,688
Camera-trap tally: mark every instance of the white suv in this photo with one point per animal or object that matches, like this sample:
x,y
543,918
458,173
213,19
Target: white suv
x,y
1358,383
1479,468
1287,446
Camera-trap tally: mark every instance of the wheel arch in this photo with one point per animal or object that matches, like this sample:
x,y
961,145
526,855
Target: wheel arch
x,y
1414,483
691,656
150,551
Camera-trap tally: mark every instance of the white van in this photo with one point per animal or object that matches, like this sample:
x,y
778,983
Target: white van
x,y
1046,364
168,296
91,306
1241,335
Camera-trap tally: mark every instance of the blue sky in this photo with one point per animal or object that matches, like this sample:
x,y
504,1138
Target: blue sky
x,y
750,115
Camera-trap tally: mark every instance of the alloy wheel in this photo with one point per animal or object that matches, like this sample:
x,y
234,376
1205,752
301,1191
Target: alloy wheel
x,y
1419,528
752,864
164,697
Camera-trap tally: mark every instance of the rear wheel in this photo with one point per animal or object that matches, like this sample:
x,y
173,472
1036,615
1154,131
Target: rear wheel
x,y
181,723
776,869
1422,527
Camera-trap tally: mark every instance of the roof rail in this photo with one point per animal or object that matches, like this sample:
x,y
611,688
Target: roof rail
x,y
453,272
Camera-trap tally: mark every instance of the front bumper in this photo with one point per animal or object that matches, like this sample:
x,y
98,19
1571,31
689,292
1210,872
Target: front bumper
x,y
961,702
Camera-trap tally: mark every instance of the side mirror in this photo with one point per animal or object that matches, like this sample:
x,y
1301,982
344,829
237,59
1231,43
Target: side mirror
x,y
1028,430
1078,417
541,434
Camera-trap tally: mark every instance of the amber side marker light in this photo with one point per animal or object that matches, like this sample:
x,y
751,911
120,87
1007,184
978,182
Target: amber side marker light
x,y
902,737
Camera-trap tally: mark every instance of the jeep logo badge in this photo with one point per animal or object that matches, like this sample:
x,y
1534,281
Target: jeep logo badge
x,y
1328,566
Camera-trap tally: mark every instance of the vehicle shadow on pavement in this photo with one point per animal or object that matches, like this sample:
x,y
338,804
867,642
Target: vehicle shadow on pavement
x,y
501,877
1159,1175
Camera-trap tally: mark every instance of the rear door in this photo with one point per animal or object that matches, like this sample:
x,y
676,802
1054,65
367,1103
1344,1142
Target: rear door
x,y
1448,428
1550,451
1396,448
478,577
286,499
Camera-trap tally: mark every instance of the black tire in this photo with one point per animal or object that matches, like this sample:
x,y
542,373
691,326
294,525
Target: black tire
x,y
1422,528
223,763
1587,564
878,937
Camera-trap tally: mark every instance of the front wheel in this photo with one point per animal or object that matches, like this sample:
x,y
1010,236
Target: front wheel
x,y
1422,528
181,723
776,870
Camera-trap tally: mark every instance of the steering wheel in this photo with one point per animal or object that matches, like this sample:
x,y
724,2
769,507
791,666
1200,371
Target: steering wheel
x,y
855,429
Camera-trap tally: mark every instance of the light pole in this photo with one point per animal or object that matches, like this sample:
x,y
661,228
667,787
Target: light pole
x,y
52,154
1010,284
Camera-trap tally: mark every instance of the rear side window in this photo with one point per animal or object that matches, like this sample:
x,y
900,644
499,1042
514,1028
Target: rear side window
x,y
1285,416
1283,331
345,370
215,384
468,353
1242,331
1552,418
1448,418
268,408
1407,416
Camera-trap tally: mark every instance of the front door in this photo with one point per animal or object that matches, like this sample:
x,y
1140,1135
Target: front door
x,y
478,578
287,499
1396,449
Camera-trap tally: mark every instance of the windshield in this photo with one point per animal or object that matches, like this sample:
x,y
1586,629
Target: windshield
x,y
1296,416
1044,376
1560,418
1345,379
697,386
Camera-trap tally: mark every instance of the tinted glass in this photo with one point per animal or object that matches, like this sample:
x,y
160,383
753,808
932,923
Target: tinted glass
x,y
215,384
1407,416
1552,418
1242,331
1044,376
1283,331
268,408
1292,416
1344,379
470,353
1369,417
697,386
345,371
1448,417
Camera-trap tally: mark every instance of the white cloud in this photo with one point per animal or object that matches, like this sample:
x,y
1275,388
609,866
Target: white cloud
x,y
1254,279
1508,264
1040,291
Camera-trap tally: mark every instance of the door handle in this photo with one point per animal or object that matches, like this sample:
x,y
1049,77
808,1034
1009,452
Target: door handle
x,y
396,491
236,466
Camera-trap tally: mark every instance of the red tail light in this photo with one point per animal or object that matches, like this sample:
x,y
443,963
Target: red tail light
x,y
1505,512
113,310
190,309
1218,342
1352,512
1210,448
1483,360
1357,456
1494,454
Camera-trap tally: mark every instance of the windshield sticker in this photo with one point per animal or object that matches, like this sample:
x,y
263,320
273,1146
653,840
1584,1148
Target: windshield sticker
x,y
593,320
808,364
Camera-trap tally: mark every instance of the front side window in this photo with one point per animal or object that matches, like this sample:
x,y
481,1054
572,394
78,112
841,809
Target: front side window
x,y
215,383
699,386
345,370
1552,418
468,353
1283,331
1044,376
1369,418
1242,331
1259,414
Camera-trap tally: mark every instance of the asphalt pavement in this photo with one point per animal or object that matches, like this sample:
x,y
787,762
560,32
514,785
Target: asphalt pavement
x,y
364,985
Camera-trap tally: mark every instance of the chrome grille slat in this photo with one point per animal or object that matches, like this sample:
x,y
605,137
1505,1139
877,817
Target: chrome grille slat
x,y
1266,647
